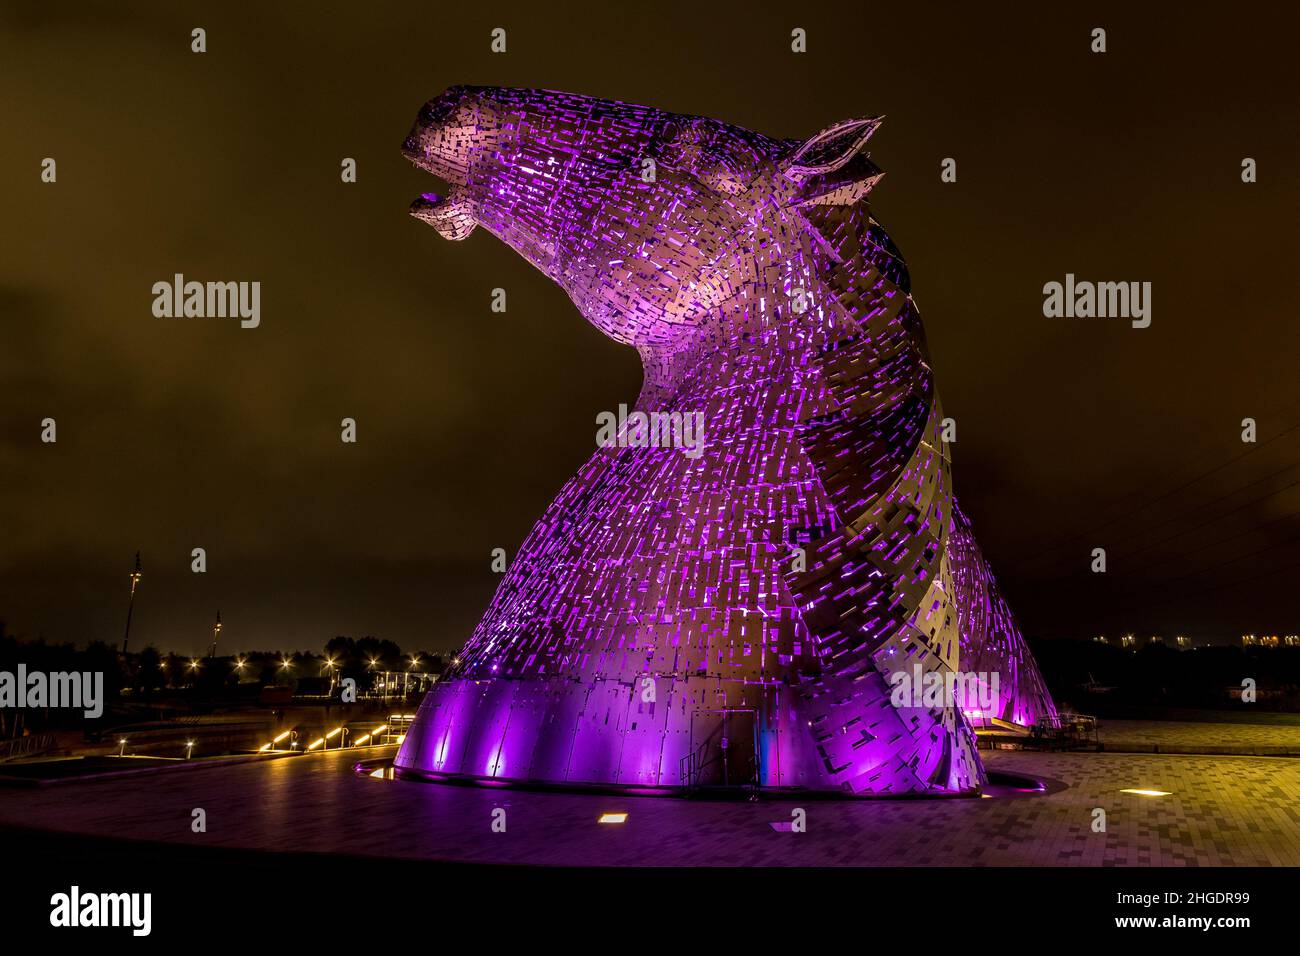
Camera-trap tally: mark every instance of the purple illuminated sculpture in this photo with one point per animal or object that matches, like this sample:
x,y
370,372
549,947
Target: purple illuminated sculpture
x,y
738,603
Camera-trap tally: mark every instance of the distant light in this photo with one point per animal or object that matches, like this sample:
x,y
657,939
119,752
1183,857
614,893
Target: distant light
x,y
316,743
380,729
360,740
122,740
189,743
1147,793
282,736
331,734
612,818
263,748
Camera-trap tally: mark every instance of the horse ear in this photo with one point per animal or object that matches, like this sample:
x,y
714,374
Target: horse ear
x,y
830,149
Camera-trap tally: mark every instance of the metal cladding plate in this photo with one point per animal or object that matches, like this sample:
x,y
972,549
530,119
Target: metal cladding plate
x,y
731,589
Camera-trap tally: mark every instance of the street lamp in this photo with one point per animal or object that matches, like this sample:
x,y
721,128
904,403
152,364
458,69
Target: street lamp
x,y
136,575
189,749
122,752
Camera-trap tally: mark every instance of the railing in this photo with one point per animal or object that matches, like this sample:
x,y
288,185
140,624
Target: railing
x,y
26,746
690,766
1066,731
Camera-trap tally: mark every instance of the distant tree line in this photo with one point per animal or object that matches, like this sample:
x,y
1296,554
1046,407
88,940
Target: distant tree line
x,y
149,675
1105,679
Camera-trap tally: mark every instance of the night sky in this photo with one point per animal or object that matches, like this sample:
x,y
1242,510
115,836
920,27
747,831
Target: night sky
x,y
183,433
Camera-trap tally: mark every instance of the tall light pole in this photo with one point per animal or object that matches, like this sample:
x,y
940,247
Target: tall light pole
x,y
136,575
216,633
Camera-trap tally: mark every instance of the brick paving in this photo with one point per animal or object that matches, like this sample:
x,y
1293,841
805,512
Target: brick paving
x,y
1169,736
1223,810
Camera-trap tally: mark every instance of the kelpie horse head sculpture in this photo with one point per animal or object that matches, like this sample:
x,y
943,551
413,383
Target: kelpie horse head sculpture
x,y
775,606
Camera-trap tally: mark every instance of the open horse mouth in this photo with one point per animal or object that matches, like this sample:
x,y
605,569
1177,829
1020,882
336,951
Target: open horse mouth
x,y
452,215
451,211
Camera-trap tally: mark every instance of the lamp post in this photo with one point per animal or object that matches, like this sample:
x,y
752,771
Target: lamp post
x,y
216,633
136,575
328,665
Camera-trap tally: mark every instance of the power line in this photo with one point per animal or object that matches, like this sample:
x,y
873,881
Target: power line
x,y
1253,579
1145,591
1259,527
1073,539
1205,524
1195,527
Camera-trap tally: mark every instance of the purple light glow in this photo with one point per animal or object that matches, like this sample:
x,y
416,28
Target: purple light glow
x,y
725,616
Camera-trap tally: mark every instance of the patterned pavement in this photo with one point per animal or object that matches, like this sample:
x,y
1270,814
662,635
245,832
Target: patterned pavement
x,y
1227,811
1170,736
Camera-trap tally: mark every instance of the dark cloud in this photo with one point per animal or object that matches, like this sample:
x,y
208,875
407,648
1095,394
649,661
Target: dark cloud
x,y
180,433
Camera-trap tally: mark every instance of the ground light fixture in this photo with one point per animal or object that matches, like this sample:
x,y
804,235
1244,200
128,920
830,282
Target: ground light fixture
x,y
1146,793
271,745
612,818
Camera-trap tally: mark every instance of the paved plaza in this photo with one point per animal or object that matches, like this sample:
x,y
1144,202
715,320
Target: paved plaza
x,y
1276,738
1221,810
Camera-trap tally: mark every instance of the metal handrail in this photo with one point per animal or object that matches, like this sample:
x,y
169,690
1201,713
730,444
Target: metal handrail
x,y
25,746
690,767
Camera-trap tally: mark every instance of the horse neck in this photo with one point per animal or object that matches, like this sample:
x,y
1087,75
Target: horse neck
x,y
755,340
